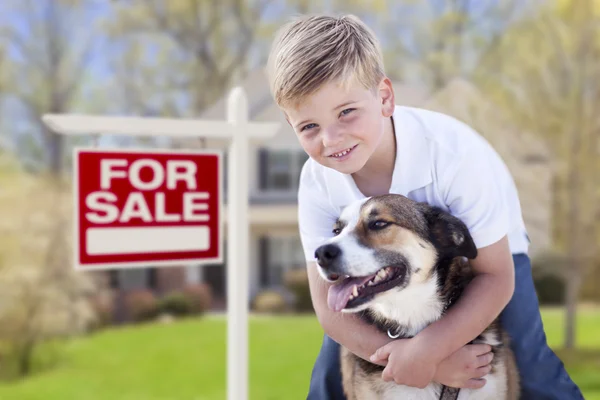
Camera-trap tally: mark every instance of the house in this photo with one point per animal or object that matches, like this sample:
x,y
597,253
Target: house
x,y
274,171
527,156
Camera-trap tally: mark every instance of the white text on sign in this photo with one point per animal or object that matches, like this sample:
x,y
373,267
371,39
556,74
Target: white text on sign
x,y
104,211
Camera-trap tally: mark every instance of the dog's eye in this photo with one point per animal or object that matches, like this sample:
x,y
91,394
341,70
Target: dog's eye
x,y
377,225
337,231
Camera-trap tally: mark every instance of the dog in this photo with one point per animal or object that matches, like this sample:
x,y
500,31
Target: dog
x,y
400,265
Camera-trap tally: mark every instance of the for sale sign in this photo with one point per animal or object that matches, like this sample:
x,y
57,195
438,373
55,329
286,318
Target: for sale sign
x,y
146,208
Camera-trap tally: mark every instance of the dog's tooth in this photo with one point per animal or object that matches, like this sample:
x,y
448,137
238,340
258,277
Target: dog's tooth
x,y
355,291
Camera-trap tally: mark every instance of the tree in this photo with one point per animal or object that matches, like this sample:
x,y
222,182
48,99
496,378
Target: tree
x,y
50,47
435,41
198,47
550,84
41,296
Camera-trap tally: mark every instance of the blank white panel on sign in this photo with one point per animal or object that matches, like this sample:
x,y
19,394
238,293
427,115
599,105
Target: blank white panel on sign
x,y
133,240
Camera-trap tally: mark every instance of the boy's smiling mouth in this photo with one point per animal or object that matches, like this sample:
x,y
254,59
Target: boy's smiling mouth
x,y
343,153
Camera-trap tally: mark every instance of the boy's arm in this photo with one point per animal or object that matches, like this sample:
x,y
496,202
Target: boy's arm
x,y
473,192
464,368
482,301
347,329
414,362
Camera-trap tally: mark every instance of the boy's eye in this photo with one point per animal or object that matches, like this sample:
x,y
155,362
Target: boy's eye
x,y
347,111
306,127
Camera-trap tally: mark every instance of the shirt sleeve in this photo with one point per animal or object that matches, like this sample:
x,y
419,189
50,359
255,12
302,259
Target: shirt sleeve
x,y
315,217
474,196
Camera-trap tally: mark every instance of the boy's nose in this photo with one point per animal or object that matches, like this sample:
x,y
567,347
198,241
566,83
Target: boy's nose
x,y
332,137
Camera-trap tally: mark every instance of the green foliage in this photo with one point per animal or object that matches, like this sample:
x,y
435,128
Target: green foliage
x,y
103,305
296,280
141,305
176,304
270,301
550,289
199,297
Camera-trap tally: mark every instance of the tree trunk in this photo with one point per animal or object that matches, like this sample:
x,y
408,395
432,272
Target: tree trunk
x,y
25,358
55,152
573,287
575,246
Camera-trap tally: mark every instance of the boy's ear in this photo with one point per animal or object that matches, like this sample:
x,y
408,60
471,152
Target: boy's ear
x,y
450,235
386,93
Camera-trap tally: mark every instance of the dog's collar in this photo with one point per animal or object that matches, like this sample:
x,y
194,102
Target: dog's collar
x,y
449,393
397,333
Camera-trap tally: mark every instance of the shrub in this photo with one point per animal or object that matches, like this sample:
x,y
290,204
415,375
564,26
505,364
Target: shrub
x,y
175,303
103,306
141,305
296,280
550,289
199,296
547,272
270,301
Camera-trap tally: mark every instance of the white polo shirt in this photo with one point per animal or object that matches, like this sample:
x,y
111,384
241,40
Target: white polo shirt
x,y
439,160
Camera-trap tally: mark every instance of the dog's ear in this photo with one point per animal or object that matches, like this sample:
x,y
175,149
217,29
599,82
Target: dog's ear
x,y
449,234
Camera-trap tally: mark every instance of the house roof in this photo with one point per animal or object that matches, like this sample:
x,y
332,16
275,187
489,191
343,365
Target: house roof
x,y
526,155
463,100
256,87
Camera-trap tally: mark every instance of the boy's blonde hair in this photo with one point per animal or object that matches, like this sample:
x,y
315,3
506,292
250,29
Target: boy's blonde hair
x,y
311,51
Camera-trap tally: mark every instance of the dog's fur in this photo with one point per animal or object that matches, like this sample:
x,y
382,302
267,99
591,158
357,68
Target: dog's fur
x,y
429,250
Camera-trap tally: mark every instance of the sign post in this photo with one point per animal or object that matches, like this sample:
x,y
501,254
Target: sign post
x,y
162,179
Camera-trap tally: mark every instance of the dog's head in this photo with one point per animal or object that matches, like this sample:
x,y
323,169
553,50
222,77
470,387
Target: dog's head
x,y
387,243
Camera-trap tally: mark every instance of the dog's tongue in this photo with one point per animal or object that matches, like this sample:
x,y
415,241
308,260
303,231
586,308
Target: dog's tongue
x,y
338,294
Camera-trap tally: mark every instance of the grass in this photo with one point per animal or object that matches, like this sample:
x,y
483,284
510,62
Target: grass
x,y
583,364
187,360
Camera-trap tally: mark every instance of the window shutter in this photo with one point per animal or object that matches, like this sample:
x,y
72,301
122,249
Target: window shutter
x,y
152,275
264,261
263,161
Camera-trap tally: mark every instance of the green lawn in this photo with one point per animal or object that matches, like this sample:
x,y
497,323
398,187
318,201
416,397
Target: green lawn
x,y
186,360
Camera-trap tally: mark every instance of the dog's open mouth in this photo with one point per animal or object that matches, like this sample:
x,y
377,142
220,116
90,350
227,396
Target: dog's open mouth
x,y
354,291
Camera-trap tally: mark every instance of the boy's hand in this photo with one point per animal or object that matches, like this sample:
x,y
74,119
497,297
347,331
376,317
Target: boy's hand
x,y
465,367
408,363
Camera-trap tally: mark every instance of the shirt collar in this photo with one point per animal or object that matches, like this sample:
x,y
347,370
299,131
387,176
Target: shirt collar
x,y
413,161
412,169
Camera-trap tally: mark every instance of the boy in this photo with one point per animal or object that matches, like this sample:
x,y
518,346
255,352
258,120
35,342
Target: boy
x,y
327,76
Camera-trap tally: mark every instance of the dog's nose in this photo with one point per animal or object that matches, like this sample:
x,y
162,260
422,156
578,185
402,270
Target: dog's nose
x,y
326,254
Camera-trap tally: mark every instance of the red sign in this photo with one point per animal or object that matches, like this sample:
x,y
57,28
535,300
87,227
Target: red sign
x,y
146,208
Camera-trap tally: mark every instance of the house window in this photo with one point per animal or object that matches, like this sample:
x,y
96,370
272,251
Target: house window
x,y
280,169
193,274
133,278
284,253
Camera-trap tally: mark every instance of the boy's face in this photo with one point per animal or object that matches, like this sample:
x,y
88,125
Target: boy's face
x,y
341,128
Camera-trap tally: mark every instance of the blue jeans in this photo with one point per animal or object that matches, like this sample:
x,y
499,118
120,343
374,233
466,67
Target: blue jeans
x,y
543,376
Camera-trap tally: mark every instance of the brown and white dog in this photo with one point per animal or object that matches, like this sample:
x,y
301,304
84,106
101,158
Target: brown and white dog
x,y
401,264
